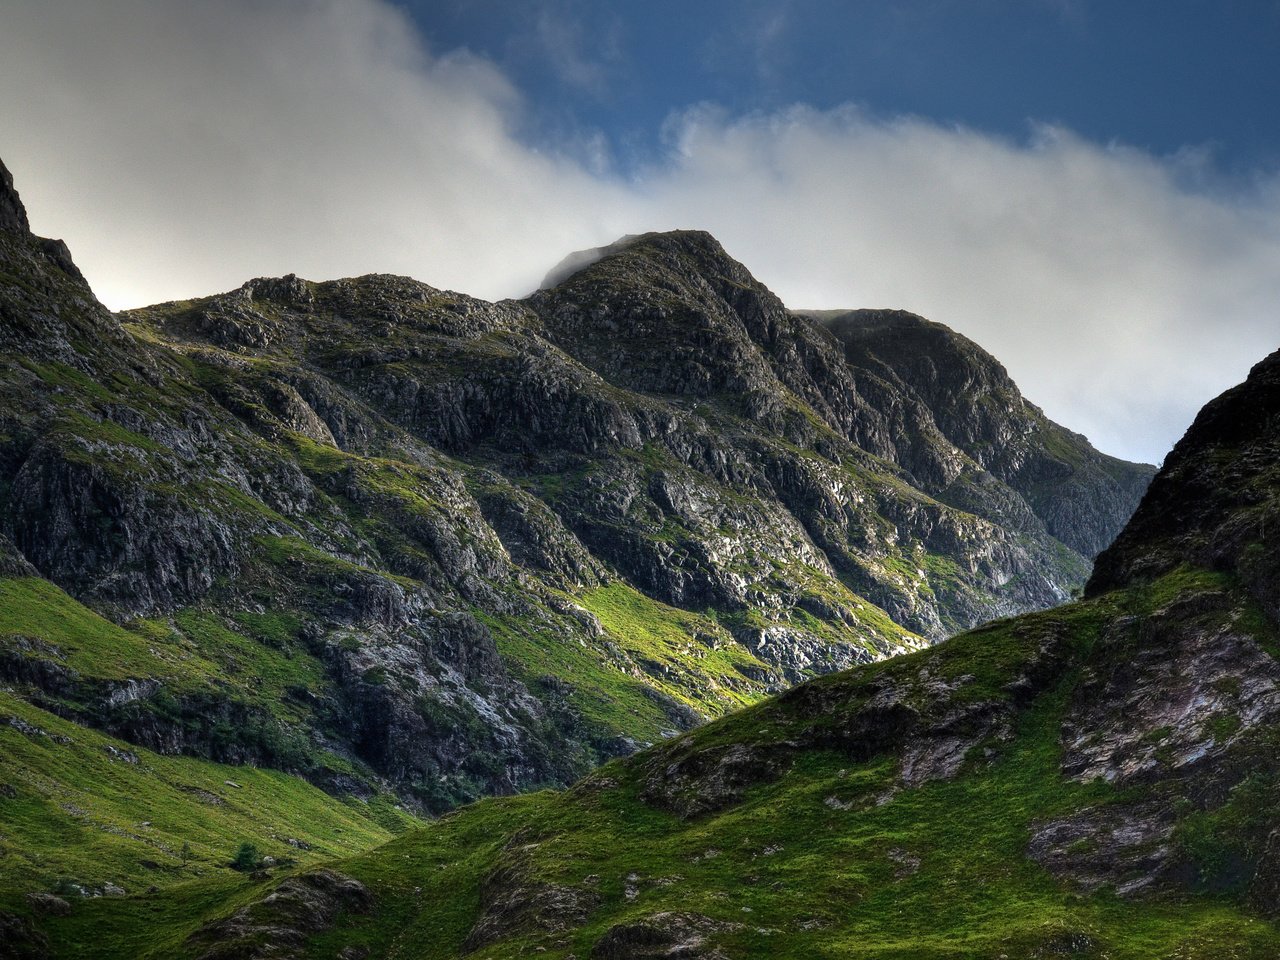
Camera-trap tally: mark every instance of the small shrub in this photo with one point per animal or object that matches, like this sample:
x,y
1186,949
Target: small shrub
x,y
247,858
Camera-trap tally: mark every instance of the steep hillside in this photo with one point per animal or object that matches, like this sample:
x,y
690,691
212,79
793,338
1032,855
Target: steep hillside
x,y
952,388
392,538
1098,780
1217,501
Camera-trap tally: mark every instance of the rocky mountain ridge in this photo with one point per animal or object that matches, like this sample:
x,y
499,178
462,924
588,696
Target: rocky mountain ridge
x,y
954,388
396,538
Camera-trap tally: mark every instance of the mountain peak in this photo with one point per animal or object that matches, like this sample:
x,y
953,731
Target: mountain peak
x,y
13,215
684,239
1211,503
289,289
698,246
687,241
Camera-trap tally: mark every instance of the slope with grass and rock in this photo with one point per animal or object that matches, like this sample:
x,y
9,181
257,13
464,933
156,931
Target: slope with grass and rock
x,y
1097,780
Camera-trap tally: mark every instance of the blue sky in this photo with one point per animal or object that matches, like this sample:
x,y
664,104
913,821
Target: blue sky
x,y
1160,76
1088,189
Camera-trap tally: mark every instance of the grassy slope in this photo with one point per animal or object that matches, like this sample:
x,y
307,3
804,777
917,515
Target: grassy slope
x,y
815,864
800,876
78,807
89,808
251,659
261,660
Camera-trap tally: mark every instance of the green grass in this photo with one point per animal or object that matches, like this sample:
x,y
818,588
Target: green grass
x,y
277,673
669,648
301,559
64,377
600,691
35,609
91,809
196,651
704,666
252,667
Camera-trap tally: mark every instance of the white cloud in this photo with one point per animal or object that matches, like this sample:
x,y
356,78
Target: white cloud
x,y
1119,300
182,148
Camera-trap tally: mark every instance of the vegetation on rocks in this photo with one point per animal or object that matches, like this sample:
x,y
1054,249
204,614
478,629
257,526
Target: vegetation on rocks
x,y
1097,780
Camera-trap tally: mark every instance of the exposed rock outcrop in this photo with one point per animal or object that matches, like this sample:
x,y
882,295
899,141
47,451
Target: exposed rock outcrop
x,y
13,215
281,923
512,902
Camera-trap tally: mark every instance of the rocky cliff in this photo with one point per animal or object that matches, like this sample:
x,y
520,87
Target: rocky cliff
x,y
392,537
13,215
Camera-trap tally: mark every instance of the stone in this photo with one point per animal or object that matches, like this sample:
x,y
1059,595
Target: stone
x,y
49,903
13,215
279,924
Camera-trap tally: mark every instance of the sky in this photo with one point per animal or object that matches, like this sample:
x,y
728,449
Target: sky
x,y
1088,189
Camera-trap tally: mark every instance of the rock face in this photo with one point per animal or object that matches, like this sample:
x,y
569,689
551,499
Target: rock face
x,y
280,923
661,935
512,902
477,547
1215,503
13,215
960,415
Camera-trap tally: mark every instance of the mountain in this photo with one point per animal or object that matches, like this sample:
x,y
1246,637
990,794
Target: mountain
x,y
1099,780
300,563
945,385
405,542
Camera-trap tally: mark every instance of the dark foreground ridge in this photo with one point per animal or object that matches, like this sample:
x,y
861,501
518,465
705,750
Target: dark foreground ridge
x,y
1214,502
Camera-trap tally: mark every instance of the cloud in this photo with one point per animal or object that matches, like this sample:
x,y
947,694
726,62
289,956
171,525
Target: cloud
x,y
182,148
